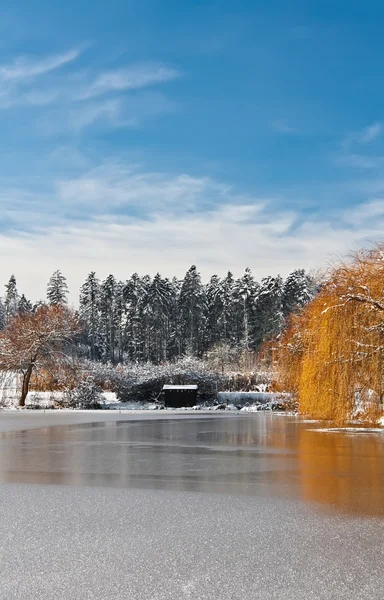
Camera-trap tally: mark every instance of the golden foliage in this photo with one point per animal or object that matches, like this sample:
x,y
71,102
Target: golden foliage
x,y
331,354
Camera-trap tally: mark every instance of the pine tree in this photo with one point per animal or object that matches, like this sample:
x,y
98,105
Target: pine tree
x,y
107,313
296,291
133,298
174,324
145,319
192,305
213,311
159,305
118,316
57,290
24,305
11,299
246,291
89,305
225,295
268,315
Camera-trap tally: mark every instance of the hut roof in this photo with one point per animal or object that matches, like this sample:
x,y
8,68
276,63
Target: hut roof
x,y
179,387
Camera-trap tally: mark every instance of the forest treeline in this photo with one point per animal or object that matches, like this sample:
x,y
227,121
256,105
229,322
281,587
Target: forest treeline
x,y
159,319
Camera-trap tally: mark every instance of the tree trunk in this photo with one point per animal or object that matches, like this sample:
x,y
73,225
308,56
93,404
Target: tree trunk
x,y
25,386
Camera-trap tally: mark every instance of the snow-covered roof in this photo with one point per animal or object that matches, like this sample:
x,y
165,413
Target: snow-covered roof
x,y
179,387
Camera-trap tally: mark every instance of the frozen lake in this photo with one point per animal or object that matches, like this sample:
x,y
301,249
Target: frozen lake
x,y
205,506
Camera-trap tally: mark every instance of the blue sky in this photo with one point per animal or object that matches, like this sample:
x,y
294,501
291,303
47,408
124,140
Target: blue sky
x,y
145,136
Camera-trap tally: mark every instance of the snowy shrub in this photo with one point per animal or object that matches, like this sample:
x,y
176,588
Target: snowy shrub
x,y
241,398
87,395
258,381
143,382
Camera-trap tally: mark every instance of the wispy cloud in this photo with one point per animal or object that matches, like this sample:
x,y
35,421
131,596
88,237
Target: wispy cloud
x,y
75,100
367,212
27,68
122,111
73,119
132,78
360,161
118,186
110,111
23,81
363,136
370,133
356,151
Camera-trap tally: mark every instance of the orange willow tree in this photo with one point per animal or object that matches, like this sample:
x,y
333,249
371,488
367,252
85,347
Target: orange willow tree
x,y
331,354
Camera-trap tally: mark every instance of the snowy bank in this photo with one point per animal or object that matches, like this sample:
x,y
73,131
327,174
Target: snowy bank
x,y
353,430
228,401
240,399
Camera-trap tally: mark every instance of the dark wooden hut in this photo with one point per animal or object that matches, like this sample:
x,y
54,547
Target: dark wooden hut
x,y
179,395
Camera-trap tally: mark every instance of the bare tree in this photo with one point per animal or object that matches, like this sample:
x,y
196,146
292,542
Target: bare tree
x,y
223,357
32,341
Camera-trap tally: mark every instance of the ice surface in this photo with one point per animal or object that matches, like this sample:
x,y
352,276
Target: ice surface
x,y
61,543
85,542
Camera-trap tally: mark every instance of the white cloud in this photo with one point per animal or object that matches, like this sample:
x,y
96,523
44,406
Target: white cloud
x,y
362,137
74,119
170,244
116,185
28,68
74,89
75,100
352,148
132,78
22,81
108,113
366,212
370,133
360,161
145,221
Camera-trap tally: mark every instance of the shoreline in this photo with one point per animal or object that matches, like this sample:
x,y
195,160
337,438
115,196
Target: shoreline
x,y
25,419
16,419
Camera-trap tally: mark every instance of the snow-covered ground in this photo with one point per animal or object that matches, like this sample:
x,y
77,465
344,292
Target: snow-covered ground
x,y
245,402
50,400
9,384
231,401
